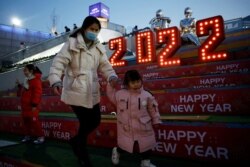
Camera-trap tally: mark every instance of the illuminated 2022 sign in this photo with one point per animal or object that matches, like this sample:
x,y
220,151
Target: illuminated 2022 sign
x,y
170,38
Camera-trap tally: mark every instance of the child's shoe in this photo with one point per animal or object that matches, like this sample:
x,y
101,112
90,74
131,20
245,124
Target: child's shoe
x,y
147,163
26,139
39,140
115,156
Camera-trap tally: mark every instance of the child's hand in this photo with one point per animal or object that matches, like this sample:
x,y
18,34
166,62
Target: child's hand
x,y
57,90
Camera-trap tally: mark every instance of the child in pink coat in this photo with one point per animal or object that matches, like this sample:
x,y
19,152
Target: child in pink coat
x,y
137,116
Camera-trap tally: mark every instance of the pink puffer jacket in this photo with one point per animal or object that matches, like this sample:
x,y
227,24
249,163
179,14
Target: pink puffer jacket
x,y
137,111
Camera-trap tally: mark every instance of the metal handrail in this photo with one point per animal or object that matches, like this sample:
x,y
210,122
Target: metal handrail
x,y
34,49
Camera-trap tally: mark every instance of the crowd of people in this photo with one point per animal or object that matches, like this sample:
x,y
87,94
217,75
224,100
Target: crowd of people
x,y
67,29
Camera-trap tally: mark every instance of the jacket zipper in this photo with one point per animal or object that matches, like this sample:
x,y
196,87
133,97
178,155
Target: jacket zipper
x,y
139,103
127,104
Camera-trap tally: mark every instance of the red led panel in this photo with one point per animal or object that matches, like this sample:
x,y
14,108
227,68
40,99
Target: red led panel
x,y
171,38
145,47
120,46
212,27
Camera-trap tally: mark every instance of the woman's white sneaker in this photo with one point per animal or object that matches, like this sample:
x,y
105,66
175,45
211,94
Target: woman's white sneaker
x,y
147,163
26,139
115,156
39,140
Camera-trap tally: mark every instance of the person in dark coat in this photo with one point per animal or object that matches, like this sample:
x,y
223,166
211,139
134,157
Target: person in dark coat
x,y
67,29
75,27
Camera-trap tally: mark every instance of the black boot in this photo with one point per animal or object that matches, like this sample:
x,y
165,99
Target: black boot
x,y
85,163
84,158
81,154
74,144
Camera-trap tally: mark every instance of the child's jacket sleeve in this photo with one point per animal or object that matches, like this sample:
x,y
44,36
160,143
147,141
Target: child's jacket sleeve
x,y
153,110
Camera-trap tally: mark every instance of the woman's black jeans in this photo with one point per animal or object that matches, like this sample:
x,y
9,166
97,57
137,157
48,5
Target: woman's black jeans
x,y
89,119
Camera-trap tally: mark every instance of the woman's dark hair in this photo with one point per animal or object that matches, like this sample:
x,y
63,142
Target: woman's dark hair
x,y
88,21
33,68
131,75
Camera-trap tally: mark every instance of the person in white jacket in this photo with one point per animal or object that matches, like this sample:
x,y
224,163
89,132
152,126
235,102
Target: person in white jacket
x,y
79,61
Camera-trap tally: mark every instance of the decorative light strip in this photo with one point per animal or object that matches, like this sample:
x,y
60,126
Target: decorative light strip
x,y
120,46
145,47
213,28
171,38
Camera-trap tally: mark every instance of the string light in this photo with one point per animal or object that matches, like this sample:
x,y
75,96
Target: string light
x,y
120,47
145,48
170,37
215,25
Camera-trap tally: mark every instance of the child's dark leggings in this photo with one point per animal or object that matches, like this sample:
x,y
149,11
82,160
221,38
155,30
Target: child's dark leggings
x,y
89,119
32,126
144,155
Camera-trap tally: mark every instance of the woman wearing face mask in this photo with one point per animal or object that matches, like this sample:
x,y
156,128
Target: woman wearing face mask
x,y
80,60
31,92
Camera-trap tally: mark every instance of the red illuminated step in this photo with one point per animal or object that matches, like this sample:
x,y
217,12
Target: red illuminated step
x,y
10,103
210,101
204,142
12,162
196,82
153,71
49,104
48,92
54,104
200,141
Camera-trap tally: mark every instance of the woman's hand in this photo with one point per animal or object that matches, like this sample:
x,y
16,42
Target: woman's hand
x,y
113,82
57,90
